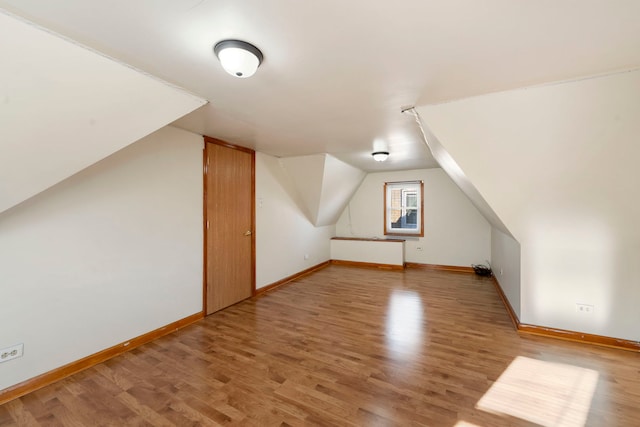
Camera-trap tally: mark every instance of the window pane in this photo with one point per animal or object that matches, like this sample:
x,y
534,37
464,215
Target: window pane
x,y
411,200
403,210
395,215
412,218
396,198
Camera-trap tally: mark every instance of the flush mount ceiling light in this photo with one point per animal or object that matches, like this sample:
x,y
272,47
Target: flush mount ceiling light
x,y
238,58
380,156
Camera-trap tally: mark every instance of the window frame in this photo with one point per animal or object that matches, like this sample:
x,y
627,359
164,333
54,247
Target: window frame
x,y
418,186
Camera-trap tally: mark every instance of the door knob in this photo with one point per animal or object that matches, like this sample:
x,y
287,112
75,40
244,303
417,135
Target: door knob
x,y
247,233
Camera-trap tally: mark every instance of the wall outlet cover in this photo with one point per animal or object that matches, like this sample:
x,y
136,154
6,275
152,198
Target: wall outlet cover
x,y
11,353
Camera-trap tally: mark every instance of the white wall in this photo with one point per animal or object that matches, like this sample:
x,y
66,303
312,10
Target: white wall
x,y
559,165
284,234
110,253
455,233
505,262
380,251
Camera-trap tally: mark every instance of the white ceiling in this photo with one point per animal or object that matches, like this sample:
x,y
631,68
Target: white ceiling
x,y
336,73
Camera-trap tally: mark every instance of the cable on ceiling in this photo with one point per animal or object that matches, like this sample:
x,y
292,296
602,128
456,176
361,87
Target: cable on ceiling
x,y
416,116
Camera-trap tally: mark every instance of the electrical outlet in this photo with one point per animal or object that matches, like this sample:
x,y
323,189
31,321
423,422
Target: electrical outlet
x,y
306,256
12,352
584,308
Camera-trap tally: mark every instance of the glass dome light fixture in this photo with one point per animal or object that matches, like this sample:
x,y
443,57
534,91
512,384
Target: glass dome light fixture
x,y
238,58
380,156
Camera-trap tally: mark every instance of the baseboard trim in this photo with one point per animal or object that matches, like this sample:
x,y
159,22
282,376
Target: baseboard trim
x,y
581,337
510,311
451,268
69,369
367,265
563,334
291,278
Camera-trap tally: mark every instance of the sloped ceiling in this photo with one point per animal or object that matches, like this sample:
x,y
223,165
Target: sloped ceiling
x,y
64,107
451,167
337,73
306,173
322,185
558,164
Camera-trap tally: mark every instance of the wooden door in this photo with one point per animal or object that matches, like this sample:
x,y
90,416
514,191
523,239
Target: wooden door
x,y
229,224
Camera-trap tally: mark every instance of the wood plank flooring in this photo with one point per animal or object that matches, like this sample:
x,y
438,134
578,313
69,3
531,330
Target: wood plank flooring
x,y
348,346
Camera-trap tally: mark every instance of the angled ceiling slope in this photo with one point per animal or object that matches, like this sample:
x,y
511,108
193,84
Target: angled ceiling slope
x,y
558,164
65,107
457,175
323,185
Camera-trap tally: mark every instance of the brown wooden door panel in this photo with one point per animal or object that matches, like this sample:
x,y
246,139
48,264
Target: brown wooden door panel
x,y
230,223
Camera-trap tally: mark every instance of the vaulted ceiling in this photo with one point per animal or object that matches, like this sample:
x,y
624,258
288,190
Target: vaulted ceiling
x,y
64,108
336,73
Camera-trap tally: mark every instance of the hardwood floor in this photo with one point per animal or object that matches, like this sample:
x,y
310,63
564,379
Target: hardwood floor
x,y
348,346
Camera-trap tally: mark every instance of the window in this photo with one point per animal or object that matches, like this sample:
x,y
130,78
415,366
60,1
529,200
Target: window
x,y
403,208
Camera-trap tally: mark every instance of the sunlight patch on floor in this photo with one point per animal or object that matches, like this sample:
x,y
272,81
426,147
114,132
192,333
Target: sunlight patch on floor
x,y
545,393
465,424
404,324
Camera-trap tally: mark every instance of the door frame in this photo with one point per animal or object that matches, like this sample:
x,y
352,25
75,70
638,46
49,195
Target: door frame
x,y
205,175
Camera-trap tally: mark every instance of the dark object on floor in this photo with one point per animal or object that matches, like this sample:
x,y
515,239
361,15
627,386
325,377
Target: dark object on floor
x,y
482,270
